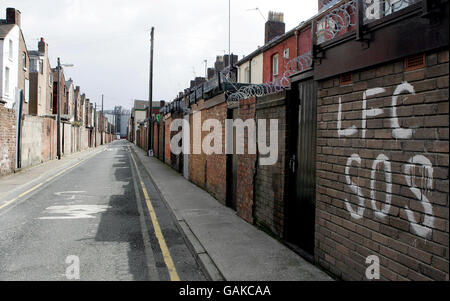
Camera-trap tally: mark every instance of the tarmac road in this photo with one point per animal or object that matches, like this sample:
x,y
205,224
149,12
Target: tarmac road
x,y
100,220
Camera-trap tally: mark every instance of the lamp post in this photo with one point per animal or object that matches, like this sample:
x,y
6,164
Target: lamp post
x,y
58,120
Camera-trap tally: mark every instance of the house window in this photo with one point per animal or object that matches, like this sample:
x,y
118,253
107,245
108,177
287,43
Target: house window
x,y
27,90
40,96
41,66
24,60
275,69
7,80
286,53
10,55
247,75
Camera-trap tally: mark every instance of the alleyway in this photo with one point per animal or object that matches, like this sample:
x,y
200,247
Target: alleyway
x,y
99,212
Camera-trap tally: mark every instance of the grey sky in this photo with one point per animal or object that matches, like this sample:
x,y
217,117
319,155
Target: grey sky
x,y
108,40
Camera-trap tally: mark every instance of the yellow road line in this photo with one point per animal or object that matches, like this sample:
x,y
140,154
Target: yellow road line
x,y
158,233
46,181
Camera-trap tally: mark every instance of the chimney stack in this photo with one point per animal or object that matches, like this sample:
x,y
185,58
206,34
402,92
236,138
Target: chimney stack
x,y
13,16
42,46
274,26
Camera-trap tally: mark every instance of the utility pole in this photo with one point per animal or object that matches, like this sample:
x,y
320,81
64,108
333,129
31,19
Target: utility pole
x,y
150,95
95,125
229,33
58,118
103,122
206,69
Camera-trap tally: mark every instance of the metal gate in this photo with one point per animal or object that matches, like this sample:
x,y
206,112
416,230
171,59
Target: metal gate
x,y
301,203
232,166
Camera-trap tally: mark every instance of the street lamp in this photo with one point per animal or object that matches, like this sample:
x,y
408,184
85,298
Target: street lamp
x,y
58,120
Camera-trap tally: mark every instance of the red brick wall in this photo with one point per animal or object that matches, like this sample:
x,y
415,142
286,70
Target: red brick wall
x,y
155,139
197,162
216,164
7,140
279,48
385,191
304,41
161,129
246,167
270,180
168,122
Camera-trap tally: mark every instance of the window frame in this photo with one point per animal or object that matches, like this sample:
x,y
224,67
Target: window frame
x,y
24,60
11,50
275,66
7,83
40,96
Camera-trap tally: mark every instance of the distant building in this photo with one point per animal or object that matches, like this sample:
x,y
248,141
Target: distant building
x,y
70,99
14,62
119,118
41,81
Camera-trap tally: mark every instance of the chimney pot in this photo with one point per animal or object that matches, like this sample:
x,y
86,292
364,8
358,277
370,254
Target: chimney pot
x,y
13,16
274,26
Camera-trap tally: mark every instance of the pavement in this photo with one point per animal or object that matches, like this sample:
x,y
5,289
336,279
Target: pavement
x,y
24,179
93,216
225,246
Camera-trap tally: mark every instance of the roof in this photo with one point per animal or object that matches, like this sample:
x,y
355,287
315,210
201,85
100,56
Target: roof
x,y
69,83
143,104
5,29
35,53
140,104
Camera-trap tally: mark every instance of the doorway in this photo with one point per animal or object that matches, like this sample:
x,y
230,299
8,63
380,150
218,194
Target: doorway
x,y
232,165
301,203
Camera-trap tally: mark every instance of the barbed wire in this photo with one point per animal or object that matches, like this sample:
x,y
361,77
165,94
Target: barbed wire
x,y
336,21
294,66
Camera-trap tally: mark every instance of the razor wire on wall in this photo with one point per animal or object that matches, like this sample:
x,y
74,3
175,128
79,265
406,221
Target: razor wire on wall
x,y
337,21
295,65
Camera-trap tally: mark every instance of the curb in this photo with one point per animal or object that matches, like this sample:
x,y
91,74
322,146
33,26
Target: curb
x,y
202,258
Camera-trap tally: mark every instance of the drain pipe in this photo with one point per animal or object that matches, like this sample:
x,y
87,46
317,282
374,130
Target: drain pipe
x,y
19,97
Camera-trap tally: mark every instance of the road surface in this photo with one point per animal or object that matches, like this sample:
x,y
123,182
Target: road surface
x,y
102,219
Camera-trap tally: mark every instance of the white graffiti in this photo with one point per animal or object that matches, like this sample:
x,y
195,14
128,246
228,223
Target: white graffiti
x,y
420,162
426,175
382,159
355,188
398,132
347,132
372,112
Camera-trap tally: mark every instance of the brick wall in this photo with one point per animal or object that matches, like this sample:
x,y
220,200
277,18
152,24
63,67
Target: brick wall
x,y
246,167
382,172
155,139
197,162
270,180
161,129
49,133
67,149
167,134
216,164
7,140
31,141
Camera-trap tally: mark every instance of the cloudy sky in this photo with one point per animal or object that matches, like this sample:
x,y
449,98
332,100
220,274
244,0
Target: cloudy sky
x,y
108,40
